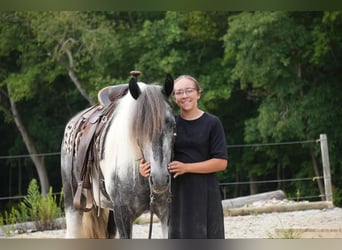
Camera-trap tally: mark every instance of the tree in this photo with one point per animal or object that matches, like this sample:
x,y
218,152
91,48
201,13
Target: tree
x,y
272,53
17,80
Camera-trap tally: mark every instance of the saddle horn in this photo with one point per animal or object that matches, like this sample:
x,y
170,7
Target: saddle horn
x,y
135,74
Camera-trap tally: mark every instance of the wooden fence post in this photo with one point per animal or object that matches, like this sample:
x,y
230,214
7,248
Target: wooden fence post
x,y
326,167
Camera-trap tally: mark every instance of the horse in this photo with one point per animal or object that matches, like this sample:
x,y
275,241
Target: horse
x,y
140,125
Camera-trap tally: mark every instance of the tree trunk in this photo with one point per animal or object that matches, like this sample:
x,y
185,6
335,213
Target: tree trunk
x,y
71,71
37,160
78,85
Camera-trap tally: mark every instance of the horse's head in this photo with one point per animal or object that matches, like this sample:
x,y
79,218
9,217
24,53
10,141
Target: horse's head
x,y
154,129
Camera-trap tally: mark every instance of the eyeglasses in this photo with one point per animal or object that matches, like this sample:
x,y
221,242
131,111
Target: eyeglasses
x,y
181,92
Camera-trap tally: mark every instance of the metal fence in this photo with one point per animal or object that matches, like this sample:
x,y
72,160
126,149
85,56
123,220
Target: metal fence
x,y
327,196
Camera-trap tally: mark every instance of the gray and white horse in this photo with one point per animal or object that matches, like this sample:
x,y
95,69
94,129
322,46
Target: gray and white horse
x,y
141,126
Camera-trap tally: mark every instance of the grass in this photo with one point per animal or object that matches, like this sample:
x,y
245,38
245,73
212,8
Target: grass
x,y
286,234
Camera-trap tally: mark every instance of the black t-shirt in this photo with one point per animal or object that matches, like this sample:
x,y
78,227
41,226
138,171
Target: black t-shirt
x,y
200,139
196,206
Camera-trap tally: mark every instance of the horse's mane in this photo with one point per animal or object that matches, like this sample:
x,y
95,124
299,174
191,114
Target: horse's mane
x,y
134,122
149,114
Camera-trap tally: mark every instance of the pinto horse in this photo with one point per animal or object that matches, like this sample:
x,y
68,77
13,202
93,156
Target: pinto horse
x,y
141,125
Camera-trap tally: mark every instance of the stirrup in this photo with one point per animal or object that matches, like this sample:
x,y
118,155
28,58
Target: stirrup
x,y
81,201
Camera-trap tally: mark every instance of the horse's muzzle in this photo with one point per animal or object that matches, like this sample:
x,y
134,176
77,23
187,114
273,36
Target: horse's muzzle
x,y
160,185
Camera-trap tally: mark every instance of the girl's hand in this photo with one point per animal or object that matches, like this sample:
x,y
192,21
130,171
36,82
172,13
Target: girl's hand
x,y
177,168
144,168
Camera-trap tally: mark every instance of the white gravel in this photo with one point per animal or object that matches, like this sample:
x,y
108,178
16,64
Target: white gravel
x,y
270,225
266,225
318,223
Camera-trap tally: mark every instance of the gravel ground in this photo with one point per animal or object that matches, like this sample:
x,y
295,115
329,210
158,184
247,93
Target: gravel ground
x,y
286,225
315,223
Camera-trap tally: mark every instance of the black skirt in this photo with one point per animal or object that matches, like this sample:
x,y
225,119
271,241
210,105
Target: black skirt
x,y
196,211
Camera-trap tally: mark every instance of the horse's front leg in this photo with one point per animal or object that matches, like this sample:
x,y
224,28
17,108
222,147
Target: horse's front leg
x,y
73,219
161,208
123,221
164,220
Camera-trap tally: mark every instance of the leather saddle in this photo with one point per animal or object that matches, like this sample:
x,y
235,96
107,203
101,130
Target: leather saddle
x,y
110,94
85,156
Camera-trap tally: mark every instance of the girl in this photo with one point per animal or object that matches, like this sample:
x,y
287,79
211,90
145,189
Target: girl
x,y
199,152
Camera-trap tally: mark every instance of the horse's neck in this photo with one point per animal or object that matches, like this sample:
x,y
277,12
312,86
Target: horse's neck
x,y
120,152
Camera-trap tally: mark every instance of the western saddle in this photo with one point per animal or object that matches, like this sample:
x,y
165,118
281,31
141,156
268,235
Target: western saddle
x,y
87,130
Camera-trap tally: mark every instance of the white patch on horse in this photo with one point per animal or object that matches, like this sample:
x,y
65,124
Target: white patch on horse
x,y
121,154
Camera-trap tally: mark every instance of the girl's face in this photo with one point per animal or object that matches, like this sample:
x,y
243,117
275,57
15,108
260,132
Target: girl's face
x,y
186,94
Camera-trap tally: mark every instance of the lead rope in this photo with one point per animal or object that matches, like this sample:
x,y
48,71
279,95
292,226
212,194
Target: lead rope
x,y
151,198
151,209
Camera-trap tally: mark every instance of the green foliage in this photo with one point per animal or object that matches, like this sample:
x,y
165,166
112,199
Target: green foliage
x,y
41,210
44,210
286,234
284,61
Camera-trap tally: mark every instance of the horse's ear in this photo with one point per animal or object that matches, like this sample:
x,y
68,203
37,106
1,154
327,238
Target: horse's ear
x,y
168,85
134,88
